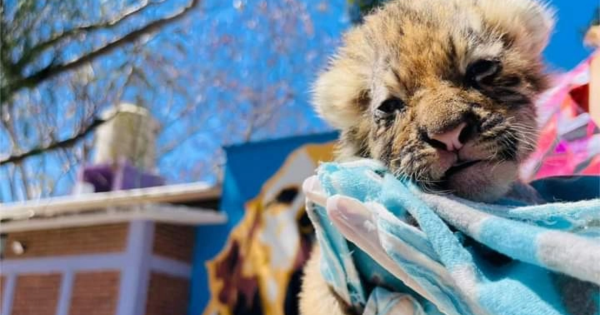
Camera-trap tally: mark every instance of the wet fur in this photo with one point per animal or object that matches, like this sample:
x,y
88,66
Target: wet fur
x,y
419,52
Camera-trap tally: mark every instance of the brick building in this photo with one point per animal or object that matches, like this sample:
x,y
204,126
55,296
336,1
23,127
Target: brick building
x,y
118,252
126,244
121,244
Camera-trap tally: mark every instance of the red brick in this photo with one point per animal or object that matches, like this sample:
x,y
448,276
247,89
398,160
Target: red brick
x,y
69,241
167,295
174,241
36,294
95,293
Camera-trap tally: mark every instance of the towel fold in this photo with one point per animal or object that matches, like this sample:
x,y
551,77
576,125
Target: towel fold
x,y
389,248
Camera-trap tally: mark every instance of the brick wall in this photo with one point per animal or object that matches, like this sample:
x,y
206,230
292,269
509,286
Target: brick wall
x,y
174,241
95,293
167,295
36,294
70,241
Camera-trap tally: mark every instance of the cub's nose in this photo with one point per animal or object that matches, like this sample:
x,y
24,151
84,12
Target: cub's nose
x,y
450,140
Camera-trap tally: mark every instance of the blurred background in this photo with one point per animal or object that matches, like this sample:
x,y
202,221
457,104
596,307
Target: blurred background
x,y
212,73
152,152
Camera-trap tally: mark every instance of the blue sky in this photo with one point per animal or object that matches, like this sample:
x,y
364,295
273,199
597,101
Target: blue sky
x,y
566,49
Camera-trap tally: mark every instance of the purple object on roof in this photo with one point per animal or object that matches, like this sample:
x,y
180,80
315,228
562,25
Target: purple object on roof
x,y
118,176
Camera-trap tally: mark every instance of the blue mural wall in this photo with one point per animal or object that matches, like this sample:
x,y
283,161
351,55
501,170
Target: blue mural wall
x,y
248,167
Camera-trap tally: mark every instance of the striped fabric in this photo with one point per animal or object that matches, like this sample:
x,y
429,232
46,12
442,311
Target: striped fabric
x,y
431,254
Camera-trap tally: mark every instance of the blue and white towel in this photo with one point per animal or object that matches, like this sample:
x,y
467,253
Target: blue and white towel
x,y
389,248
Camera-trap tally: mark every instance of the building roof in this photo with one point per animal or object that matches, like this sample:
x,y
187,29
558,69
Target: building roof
x,y
169,204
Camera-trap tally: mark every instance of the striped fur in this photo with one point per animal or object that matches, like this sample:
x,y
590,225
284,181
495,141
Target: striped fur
x,y
419,52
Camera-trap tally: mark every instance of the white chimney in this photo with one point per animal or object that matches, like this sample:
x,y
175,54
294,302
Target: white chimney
x,y
130,134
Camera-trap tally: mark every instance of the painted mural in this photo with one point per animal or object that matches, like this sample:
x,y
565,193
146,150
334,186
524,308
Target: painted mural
x,y
259,270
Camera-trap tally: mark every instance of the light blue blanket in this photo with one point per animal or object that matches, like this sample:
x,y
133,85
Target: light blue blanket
x,y
389,248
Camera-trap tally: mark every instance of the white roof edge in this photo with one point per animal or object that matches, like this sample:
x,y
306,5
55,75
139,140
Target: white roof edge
x,y
159,213
120,198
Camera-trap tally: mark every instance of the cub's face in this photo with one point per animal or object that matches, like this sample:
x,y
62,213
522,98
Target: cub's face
x,y
441,91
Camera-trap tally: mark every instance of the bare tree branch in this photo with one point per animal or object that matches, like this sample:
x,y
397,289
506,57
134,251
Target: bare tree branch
x,y
63,144
38,49
53,70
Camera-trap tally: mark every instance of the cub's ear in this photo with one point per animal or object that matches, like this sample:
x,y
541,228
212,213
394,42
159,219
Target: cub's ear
x,y
528,22
340,94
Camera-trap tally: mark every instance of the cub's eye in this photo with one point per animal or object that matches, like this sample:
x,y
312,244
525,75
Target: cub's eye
x,y
390,106
483,71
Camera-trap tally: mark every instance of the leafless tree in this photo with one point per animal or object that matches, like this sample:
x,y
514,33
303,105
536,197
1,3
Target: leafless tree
x,y
62,62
